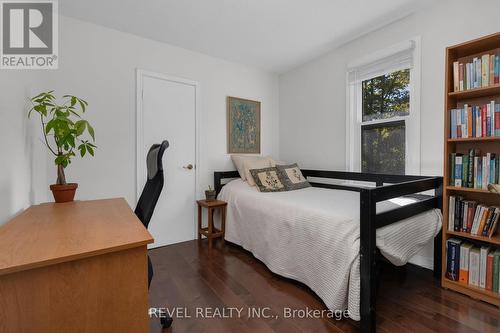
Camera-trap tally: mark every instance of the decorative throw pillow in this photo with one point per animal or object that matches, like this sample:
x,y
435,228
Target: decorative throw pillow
x,y
267,180
255,164
292,177
239,160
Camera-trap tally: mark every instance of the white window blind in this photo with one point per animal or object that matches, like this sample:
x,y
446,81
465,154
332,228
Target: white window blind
x,y
396,58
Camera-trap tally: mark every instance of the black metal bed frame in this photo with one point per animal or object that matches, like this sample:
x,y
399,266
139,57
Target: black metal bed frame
x,y
370,221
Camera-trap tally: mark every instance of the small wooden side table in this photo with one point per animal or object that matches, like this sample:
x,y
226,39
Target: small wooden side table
x,y
210,231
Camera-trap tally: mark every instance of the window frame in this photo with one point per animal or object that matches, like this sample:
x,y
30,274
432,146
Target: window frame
x,y
354,119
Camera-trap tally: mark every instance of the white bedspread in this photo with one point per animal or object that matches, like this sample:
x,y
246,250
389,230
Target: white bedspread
x,y
312,236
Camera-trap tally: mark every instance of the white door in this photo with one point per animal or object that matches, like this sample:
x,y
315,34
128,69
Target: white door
x,y
168,112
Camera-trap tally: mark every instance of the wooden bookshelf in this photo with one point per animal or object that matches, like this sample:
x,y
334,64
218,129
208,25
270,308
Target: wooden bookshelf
x,y
476,92
471,291
495,239
485,139
468,189
454,99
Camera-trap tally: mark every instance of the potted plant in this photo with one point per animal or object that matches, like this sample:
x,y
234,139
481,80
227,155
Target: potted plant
x,y
210,194
64,131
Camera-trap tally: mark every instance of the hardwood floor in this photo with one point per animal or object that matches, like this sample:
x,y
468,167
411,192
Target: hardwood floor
x,y
187,278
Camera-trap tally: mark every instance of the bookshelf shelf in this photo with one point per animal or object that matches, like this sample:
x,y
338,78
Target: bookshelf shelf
x,y
482,139
468,189
474,292
493,240
463,53
477,92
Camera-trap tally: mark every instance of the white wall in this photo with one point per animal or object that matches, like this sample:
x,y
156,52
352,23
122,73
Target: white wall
x,y
99,65
313,96
14,134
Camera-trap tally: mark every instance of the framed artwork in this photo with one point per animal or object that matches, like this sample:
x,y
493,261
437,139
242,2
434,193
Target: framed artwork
x,y
243,126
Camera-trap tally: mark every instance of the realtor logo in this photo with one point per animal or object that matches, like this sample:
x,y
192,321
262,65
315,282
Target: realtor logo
x,y
28,34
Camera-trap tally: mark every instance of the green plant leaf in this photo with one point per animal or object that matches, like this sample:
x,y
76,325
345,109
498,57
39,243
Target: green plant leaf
x,y
83,104
91,131
50,126
70,139
83,149
61,160
91,150
80,126
40,108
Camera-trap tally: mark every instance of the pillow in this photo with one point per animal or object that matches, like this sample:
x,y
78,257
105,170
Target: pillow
x,y
268,180
255,164
292,177
238,161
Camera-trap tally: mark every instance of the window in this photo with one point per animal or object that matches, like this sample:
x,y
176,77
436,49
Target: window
x,y
383,122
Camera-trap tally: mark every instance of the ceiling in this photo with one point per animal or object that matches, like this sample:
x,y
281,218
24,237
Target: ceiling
x,y
275,35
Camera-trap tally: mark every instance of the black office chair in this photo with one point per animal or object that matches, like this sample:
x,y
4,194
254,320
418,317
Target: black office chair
x,y
149,198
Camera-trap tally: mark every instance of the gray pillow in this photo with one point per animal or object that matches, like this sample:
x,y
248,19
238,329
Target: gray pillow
x,y
267,180
292,177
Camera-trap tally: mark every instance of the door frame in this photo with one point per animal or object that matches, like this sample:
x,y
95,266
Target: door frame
x,y
140,165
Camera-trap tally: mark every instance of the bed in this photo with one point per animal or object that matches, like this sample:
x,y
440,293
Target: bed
x,y
328,236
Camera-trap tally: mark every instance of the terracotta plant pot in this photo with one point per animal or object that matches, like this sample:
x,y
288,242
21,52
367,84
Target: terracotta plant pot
x,y
210,195
64,193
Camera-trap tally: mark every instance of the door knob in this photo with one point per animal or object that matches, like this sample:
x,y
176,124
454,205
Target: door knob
x,y
188,167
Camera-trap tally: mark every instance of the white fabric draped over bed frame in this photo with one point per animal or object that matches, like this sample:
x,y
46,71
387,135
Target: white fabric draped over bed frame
x,y
312,236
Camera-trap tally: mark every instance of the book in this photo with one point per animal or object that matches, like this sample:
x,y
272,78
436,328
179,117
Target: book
x,y
451,213
492,170
458,214
483,256
492,70
469,120
496,267
492,116
497,69
497,119
458,170
453,259
489,221
470,176
477,218
464,207
496,218
477,75
474,267
482,223
461,77
463,275
484,121
470,215
456,86
485,70
465,170
485,172
489,270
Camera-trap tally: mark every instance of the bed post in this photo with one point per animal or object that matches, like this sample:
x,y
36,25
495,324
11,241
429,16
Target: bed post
x,y
438,240
217,182
367,252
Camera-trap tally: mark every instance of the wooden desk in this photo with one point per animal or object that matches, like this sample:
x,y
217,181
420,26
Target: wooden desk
x,y
74,267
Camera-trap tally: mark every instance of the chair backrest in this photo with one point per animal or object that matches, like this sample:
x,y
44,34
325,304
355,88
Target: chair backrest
x,y
152,190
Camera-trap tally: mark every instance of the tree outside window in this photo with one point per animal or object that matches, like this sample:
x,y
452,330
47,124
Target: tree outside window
x,y
386,99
